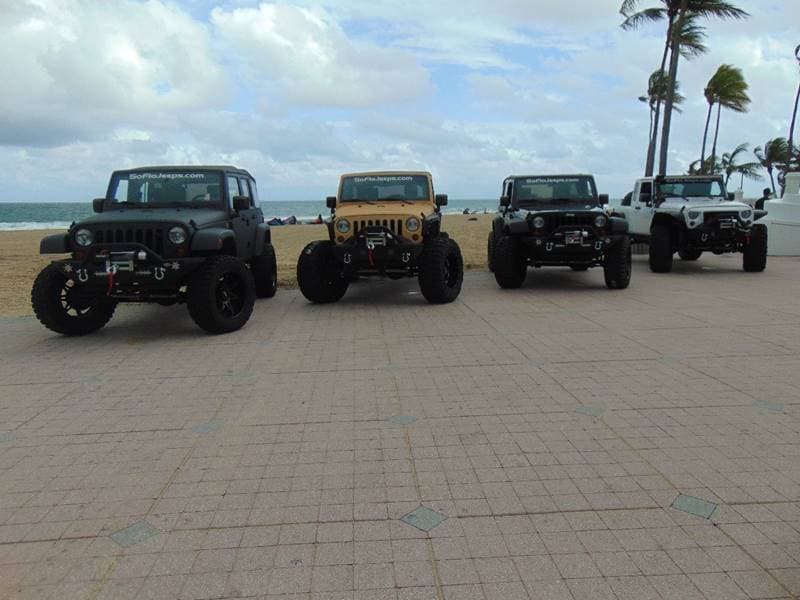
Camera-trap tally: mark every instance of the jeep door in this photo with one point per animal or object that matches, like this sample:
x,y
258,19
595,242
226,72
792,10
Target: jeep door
x,y
640,214
245,222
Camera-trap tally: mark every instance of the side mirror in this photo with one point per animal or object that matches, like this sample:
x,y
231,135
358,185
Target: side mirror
x,y
241,203
441,199
603,199
505,201
731,196
330,202
97,204
646,198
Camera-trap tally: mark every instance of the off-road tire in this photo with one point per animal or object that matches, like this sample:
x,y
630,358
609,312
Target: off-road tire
x,y
441,270
510,266
50,298
579,268
754,256
690,254
319,279
661,249
490,252
221,294
265,272
618,264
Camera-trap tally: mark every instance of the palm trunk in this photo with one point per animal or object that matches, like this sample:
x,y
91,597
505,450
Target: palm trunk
x,y
673,77
741,183
716,137
705,139
772,181
651,149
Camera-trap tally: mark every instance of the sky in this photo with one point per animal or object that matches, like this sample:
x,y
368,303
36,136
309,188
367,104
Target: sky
x,y
300,92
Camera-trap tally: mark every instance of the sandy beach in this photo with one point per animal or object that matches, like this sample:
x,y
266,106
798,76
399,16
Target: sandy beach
x,y
20,260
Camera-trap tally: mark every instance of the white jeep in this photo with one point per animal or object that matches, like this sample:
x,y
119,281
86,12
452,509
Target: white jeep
x,y
692,214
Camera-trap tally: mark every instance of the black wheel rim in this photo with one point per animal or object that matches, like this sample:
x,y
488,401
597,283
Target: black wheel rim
x,y
73,306
230,295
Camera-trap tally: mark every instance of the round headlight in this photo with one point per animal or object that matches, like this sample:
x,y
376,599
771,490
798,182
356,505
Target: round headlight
x,y
600,221
84,237
412,224
693,214
538,222
342,225
177,235
746,214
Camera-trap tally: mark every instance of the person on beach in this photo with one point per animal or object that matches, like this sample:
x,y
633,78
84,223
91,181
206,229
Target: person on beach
x,y
766,196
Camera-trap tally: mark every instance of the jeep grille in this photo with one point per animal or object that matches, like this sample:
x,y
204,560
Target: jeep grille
x,y
557,220
711,217
393,225
152,238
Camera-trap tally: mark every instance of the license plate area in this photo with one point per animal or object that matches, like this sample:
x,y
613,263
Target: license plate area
x,y
573,238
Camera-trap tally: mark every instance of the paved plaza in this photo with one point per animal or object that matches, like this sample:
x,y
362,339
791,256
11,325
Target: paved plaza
x,y
561,441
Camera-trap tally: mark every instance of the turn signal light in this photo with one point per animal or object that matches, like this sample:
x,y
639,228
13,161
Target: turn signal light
x,y
415,237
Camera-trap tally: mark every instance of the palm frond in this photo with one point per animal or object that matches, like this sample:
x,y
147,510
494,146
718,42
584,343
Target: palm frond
x,y
648,15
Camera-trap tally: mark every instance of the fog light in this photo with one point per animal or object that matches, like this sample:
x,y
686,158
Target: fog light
x,y
142,255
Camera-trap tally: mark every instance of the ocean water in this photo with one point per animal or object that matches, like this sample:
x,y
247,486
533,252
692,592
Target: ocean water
x,y
59,215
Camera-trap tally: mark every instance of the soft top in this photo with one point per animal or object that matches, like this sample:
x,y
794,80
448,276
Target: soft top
x,y
227,168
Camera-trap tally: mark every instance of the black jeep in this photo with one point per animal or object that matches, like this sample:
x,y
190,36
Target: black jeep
x,y
557,220
163,235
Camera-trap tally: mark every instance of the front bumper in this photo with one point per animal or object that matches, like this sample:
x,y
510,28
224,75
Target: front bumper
x,y
129,272
378,252
720,237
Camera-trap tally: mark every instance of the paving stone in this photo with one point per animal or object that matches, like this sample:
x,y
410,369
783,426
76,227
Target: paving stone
x,y
204,428
590,411
403,419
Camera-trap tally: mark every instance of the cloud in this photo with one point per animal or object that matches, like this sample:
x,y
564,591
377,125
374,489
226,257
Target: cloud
x,y
76,70
307,55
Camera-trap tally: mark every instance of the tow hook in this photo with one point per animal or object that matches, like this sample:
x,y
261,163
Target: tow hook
x,y
405,257
549,246
83,275
704,237
347,258
158,273
598,245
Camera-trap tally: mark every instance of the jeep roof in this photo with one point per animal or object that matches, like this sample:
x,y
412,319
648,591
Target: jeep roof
x,y
227,168
550,175
367,173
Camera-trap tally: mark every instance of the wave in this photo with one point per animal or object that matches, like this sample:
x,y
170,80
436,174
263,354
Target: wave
x,y
32,225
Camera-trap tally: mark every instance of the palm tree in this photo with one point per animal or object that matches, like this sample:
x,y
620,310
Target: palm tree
x,y
726,88
774,155
674,12
699,167
656,93
729,166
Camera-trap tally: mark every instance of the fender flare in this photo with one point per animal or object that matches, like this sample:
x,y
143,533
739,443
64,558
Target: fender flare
x,y
212,239
58,243
263,237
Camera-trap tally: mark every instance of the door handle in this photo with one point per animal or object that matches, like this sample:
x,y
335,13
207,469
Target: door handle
x,y
637,208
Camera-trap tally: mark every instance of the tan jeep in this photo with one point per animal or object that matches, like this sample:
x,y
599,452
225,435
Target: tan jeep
x,y
384,224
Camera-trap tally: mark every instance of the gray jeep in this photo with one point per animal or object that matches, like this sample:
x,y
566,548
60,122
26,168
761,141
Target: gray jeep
x,y
165,235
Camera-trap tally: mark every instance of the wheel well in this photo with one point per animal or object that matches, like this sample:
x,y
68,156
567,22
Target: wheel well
x,y
667,221
228,247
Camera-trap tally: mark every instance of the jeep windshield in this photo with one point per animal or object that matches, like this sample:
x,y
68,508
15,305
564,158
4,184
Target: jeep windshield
x,y
382,188
162,188
703,188
555,192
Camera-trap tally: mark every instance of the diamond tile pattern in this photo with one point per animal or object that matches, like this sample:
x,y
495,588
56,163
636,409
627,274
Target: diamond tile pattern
x,y
694,506
135,534
423,518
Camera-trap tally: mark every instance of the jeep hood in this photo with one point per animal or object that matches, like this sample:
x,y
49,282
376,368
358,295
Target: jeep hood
x,y
705,204
352,210
202,217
